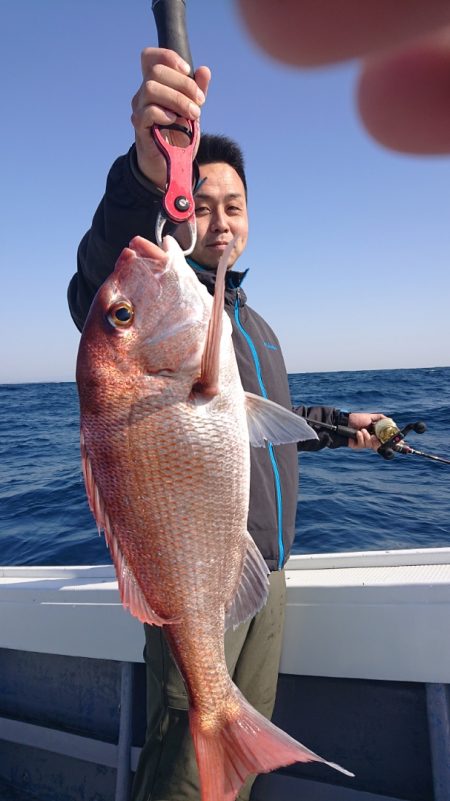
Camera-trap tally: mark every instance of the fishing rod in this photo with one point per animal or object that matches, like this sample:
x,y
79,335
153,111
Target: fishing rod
x,y
407,449
178,206
392,437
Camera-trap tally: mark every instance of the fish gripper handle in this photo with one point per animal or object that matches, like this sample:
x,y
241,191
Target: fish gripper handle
x,y
170,19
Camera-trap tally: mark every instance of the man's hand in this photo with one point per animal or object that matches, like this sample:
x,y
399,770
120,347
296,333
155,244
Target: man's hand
x,y
166,93
361,421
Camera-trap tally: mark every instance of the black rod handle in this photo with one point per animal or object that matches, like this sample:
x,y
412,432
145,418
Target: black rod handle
x,y
346,431
170,19
343,431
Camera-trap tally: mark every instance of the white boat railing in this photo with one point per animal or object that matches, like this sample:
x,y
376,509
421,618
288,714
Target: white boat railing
x,y
373,615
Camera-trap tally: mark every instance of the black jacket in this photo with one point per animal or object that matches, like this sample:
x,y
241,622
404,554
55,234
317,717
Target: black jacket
x,y
129,207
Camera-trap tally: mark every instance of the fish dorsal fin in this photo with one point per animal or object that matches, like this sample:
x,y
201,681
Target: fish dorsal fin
x,y
252,589
207,385
130,593
269,422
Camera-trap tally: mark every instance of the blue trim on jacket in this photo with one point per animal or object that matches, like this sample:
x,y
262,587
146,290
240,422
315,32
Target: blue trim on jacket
x,y
273,460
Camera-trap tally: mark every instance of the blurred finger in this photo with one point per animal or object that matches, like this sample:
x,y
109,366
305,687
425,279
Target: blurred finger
x,y
309,32
404,97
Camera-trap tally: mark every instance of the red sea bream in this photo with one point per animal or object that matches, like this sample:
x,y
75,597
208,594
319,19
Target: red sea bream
x,y
166,429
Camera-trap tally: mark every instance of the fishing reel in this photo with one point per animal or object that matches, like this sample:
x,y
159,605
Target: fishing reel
x,y
392,439
390,436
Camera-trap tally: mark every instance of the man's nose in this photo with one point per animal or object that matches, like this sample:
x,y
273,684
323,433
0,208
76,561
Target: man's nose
x,y
219,221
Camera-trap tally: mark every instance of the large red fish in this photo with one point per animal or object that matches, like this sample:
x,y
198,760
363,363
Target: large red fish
x,y
165,432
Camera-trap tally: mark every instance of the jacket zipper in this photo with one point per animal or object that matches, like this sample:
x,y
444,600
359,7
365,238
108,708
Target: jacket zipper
x,y
276,472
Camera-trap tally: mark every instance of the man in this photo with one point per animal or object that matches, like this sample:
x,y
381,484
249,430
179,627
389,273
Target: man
x,y
167,769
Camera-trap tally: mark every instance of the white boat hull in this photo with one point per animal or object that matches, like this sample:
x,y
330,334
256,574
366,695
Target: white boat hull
x,y
363,631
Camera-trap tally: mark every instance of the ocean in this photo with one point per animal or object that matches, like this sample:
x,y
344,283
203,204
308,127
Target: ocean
x,y
348,501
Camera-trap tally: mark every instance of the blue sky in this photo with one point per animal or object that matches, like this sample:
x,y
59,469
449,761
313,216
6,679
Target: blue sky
x,y
349,244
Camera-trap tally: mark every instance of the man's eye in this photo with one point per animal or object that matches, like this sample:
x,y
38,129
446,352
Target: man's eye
x,y
201,209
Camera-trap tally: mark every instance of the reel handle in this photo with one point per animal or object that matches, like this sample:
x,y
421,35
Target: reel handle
x,y
386,453
418,427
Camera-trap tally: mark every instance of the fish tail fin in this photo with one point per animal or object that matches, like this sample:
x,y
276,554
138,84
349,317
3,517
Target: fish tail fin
x,y
245,744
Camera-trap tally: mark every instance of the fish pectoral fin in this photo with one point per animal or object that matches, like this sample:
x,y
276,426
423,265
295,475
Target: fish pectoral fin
x,y
252,589
269,422
131,594
207,385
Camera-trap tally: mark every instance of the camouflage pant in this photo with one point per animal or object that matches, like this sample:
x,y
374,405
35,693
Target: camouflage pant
x,y
167,769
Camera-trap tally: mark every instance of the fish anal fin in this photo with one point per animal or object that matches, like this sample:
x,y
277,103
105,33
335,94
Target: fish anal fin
x,y
252,590
131,594
269,422
245,744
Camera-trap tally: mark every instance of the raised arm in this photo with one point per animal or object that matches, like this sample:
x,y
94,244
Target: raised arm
x,y
136,181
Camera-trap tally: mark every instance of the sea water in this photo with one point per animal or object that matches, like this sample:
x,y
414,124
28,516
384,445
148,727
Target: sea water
x,y
348,500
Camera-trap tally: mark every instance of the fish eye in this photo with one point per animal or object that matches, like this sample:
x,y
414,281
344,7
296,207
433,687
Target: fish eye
x,y
121,314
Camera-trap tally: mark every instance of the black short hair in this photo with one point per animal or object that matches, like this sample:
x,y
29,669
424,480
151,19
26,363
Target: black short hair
x,y
214,148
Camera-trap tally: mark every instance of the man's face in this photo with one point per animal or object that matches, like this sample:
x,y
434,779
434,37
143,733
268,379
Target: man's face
x,y
221,212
